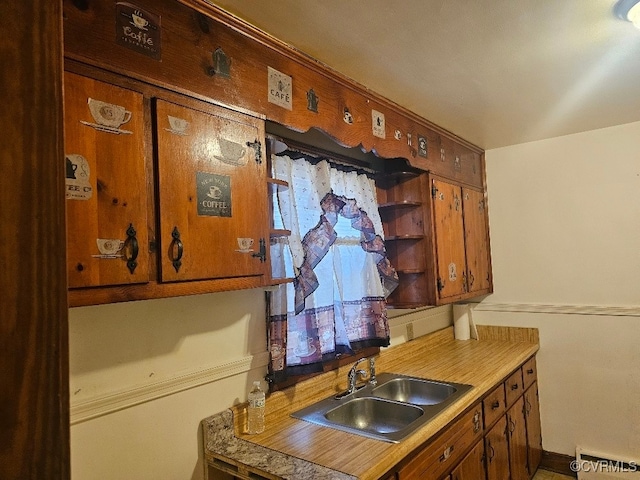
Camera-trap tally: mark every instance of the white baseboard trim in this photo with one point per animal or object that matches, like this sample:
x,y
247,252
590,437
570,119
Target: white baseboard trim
x,y
600,310
114,401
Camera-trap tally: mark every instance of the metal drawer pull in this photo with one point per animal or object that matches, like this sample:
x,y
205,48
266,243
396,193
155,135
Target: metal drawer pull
x,y
476,422
495,405
530,371
492,451
446,454
177,259
514,386
133,241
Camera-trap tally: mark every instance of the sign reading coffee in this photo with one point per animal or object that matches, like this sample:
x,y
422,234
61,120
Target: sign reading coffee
x,y
214,194
138,30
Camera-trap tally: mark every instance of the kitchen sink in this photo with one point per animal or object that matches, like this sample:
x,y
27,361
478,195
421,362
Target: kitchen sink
x,y
415,390
390,411
374,415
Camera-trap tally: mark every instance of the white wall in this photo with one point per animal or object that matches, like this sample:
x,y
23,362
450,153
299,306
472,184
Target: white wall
x,y
144,374
565,236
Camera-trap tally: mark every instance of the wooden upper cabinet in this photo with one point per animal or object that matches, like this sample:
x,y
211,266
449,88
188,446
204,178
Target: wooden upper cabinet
x,y
449,239
107,239
212,193
477,240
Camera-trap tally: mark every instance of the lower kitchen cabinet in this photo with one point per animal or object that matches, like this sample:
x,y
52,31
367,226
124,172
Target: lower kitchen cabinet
x,y
513,445
472,466
497,451
517,433
534,431
441,456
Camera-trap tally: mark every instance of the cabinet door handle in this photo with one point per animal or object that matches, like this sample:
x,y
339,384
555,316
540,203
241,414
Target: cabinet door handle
x,y
495,405
476,422
527,406
492,452
176,260
133,242
514,386
530,371
446,454
512,425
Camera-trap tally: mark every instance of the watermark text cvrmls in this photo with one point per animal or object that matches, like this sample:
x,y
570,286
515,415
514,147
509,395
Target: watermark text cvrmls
x,y
603,466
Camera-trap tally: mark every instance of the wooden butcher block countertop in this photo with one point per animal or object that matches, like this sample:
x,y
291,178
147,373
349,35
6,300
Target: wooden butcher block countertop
x,y
482,363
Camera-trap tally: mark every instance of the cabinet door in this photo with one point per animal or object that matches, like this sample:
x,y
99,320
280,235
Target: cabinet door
x,y
476,240
106,184
449,239
534,431
516,427
497,451
212,192
472,466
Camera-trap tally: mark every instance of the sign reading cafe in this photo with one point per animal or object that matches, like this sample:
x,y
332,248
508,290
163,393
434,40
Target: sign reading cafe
x,y
138,30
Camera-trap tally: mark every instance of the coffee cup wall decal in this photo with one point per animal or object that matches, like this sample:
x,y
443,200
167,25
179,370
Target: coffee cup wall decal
x,y
232,152
108,117
177,125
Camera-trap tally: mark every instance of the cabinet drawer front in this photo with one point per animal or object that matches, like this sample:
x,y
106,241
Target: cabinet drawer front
x,y
494,405
513,386
445,451
529,372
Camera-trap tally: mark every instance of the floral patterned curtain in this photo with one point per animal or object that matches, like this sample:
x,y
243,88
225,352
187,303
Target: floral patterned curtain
x,y
336,254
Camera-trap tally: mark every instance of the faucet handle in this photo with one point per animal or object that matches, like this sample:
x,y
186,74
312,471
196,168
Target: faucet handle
x,y
372,371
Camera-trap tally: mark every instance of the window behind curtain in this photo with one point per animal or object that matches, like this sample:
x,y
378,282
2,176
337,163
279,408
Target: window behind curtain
x,y
336,304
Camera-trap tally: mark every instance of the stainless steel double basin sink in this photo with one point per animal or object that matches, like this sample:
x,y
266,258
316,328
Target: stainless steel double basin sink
x,y
389,411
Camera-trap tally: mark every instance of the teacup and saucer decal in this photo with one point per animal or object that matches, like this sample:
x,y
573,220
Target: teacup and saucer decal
x,y
108,117
109,247
177,125
137,20
245,245
232,152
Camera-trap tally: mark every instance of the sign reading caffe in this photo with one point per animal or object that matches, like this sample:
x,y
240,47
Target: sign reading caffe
x,y
138,30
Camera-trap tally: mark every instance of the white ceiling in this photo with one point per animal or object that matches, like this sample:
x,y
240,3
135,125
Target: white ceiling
x,y
495,72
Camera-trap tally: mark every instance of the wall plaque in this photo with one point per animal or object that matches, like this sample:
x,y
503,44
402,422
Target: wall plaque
x,y
214,194
422,146
138,30
378,124
280,89
78,186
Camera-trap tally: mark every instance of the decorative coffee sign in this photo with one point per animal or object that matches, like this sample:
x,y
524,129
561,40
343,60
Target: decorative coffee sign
x,y
78,186
214,194
378,124
138,30
280,89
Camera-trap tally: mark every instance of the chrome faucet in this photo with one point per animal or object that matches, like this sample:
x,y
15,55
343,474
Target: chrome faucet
x,y
353,374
